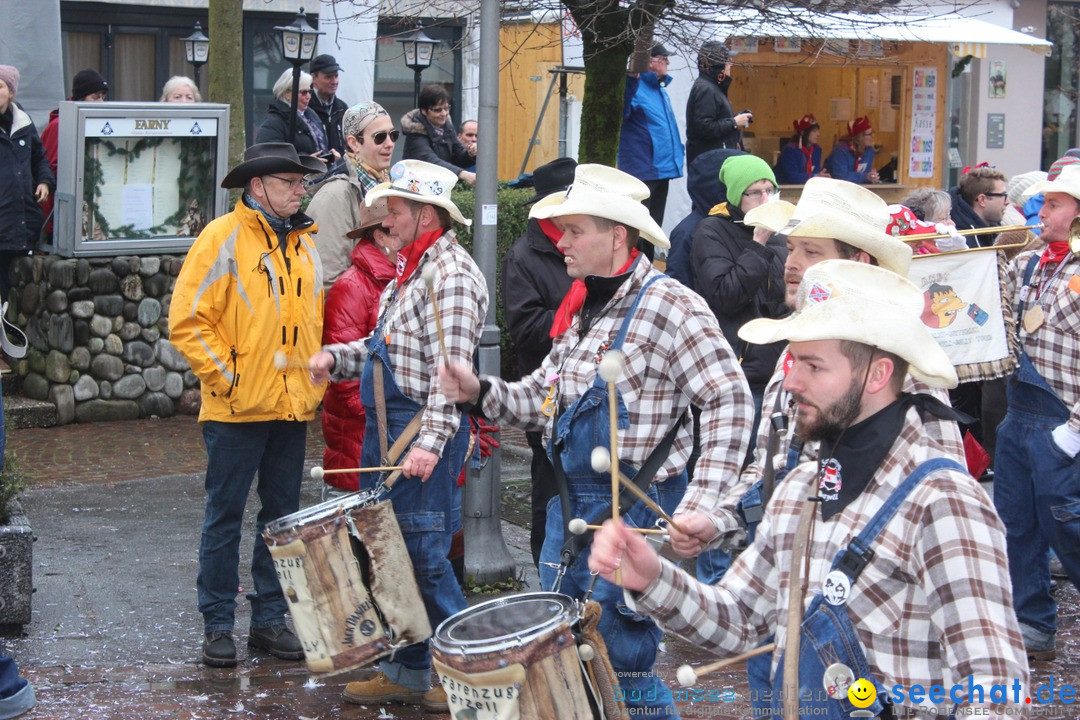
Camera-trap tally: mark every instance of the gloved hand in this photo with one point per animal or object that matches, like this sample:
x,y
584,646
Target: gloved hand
x,y
1067,439
955,241
484,432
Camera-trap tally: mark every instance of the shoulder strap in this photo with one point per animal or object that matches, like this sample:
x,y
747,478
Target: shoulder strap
x,y
1033,262
625,327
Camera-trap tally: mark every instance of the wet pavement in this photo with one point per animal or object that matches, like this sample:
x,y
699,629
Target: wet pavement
x,y
117,509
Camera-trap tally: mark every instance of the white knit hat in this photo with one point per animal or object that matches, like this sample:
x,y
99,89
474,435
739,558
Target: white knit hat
x,y
1018,185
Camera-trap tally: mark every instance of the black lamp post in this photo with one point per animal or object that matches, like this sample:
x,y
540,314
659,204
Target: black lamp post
x,y
419,52
297,46
197,49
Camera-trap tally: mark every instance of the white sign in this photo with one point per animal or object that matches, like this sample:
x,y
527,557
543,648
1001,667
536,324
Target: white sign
x,y
150,127
490,215
573,48
137,205
924,94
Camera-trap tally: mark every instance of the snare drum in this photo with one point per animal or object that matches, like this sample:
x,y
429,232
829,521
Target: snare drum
x,y
515,657
347,577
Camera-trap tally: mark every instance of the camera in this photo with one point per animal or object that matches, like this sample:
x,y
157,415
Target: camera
x,y
751,118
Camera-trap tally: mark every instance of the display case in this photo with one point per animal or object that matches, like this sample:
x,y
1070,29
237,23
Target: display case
x,y
138,178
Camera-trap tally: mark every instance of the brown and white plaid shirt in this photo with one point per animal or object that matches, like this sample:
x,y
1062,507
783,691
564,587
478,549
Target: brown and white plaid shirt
x,y
413,343
675,355
1054,348
933,605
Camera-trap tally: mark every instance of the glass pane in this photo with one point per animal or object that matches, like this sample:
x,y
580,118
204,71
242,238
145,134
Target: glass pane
x,y
134,61
82,50
267,65
178,65
1059,105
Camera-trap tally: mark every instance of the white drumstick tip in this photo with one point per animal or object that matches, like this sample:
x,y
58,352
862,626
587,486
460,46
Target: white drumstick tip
x,y
601,459
578,526
428,273
281,360
612,366
317,473
586,652
686,676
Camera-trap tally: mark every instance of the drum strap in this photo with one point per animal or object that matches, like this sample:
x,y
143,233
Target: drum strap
x,y
380,411
390,455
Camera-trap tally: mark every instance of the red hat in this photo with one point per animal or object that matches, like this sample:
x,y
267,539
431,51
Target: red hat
x,y
904,223
858,126
805,123
1059,164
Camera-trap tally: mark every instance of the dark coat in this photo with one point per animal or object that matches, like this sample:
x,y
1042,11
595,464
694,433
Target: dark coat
x,y
741,280
710,123
534,284
331,120
966,219
275,128
423,143
23,166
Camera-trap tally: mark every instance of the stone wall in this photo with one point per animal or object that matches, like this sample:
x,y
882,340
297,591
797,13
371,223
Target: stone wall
x,y
98,331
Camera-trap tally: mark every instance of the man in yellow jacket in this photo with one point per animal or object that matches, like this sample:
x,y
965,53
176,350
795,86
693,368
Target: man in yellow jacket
x,y
251,289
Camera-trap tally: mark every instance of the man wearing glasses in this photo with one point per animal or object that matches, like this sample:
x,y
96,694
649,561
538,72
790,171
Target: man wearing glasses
x,y
852,158
370,137
249,292
979,201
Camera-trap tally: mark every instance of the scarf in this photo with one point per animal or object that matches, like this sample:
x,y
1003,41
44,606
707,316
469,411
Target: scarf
x,y
552,232
278,225
1054,252
409,257
367,176
317,132
575,298
808,151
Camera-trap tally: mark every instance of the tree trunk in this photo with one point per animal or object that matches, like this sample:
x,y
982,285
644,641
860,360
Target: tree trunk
x,y
226,63
601,109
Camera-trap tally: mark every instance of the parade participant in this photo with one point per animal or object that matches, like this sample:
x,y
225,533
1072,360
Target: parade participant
x,y
675,356
901,548
852,158
250,289
1037,474
800,159
396,366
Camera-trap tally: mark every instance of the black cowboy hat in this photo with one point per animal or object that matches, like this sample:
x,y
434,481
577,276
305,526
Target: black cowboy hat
x,y
552,177
269,158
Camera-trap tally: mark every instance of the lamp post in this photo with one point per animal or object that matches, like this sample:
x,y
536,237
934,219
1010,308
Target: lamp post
x,y
297,46
419,52
197,49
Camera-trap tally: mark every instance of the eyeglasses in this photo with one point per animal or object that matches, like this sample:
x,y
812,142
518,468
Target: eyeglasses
x,y
305,92
757,194
380,137
1004,195
293,184
440,109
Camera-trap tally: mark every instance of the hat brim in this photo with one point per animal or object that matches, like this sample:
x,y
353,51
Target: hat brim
x,y
387,190
361,231
617,208
239,176
1045,186
864,321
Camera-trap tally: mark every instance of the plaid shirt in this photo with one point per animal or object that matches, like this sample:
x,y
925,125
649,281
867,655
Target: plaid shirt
x,y
413,343
932,606
1054,348
675,356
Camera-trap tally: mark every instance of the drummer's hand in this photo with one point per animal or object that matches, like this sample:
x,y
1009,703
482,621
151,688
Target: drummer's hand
x,y
320,365
698,531
419,463
459,383
613,546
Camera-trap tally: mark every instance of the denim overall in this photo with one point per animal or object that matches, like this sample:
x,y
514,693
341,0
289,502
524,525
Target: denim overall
x,y
751,506
1037,495
423,509
828,635
631,639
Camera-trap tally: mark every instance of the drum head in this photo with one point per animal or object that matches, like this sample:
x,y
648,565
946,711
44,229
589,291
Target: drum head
x,y
320,512
505,621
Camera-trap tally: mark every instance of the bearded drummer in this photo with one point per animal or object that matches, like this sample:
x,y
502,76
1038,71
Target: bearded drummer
x,y
675,356
897,567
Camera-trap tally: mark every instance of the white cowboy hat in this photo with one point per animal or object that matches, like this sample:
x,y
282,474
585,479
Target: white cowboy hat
x,y
846,300
1067,182
605,192
840,210
419,181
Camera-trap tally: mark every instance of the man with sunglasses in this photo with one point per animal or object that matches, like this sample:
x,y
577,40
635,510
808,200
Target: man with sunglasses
x,y
369,136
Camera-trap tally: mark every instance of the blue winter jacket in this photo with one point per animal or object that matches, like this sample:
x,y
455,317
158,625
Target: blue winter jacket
x,y
841,163
649,146
791,166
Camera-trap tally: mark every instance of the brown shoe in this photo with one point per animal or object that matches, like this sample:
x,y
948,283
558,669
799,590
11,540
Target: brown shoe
x,y
1044,655
379,689
435,700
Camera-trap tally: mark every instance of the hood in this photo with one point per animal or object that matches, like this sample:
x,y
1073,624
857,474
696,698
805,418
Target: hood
x,y
412,123
369,259
962,213
703,179
54,114
19,119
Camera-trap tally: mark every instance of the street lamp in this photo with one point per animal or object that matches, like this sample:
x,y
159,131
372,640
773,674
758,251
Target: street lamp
x,y
297,46
197,49
419,52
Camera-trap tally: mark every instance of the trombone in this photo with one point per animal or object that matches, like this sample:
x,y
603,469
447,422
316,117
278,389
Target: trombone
x,y
1075,230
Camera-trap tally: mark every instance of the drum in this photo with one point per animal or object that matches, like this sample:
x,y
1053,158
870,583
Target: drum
x,y
349,583
518,657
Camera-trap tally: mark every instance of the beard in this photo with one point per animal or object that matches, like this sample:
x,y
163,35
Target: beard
x,y
834,419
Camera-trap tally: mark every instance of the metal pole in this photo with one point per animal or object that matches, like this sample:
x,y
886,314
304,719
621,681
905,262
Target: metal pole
x,y
564,116
416,86
197,69
487,559
295,99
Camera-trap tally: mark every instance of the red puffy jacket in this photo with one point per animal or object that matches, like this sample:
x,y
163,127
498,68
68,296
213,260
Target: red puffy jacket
x,y
352,310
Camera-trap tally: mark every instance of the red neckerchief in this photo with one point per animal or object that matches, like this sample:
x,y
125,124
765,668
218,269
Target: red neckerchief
x,y
809,153
1054,252
409,257
855,151
575,298
552,232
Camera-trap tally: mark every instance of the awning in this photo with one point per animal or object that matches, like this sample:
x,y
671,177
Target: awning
x,y
966,35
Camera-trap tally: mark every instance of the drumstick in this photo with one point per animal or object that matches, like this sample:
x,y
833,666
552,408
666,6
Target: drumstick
x,y
688,677
601,462
578,526
611,369
428,274
317,472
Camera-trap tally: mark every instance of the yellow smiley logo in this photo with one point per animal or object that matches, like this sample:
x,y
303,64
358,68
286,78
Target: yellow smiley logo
x,y
862,693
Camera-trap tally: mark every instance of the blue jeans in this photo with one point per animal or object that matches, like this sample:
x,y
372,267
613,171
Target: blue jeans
x,y
16,694
631,639
235,453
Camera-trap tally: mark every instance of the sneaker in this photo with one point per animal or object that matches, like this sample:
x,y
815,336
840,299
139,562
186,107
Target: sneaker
x,y
219,650
278,641
379,689
435,700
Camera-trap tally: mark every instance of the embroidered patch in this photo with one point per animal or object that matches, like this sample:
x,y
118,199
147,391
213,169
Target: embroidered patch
x,y
831,480
818,293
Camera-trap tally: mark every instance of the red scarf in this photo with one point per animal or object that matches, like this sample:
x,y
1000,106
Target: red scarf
x,y
809,153
410,255
575,298
552,232
1054,252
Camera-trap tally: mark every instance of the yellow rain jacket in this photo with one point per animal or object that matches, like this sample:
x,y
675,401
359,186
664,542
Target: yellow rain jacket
x,y
239,303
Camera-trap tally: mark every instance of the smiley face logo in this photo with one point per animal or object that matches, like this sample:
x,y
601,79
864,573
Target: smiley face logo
x,y
862,693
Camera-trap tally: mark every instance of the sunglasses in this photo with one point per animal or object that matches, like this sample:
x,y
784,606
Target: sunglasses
x,y
380,137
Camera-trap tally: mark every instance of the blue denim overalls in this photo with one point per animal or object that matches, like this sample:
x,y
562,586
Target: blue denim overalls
x,y
423,510
631,638
828,635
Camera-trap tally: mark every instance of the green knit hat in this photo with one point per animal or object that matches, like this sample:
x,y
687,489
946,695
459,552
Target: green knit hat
x,y
740,172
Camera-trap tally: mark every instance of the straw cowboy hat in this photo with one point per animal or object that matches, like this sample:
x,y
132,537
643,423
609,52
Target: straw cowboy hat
x,y
603,191
840,210
369,217
422,182
267,159
1067,182
846,300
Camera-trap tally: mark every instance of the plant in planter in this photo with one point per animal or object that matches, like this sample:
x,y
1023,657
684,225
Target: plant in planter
x,y
16,552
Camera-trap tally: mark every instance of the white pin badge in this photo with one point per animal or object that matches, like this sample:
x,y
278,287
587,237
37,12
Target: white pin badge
x,y
837,679
837,588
